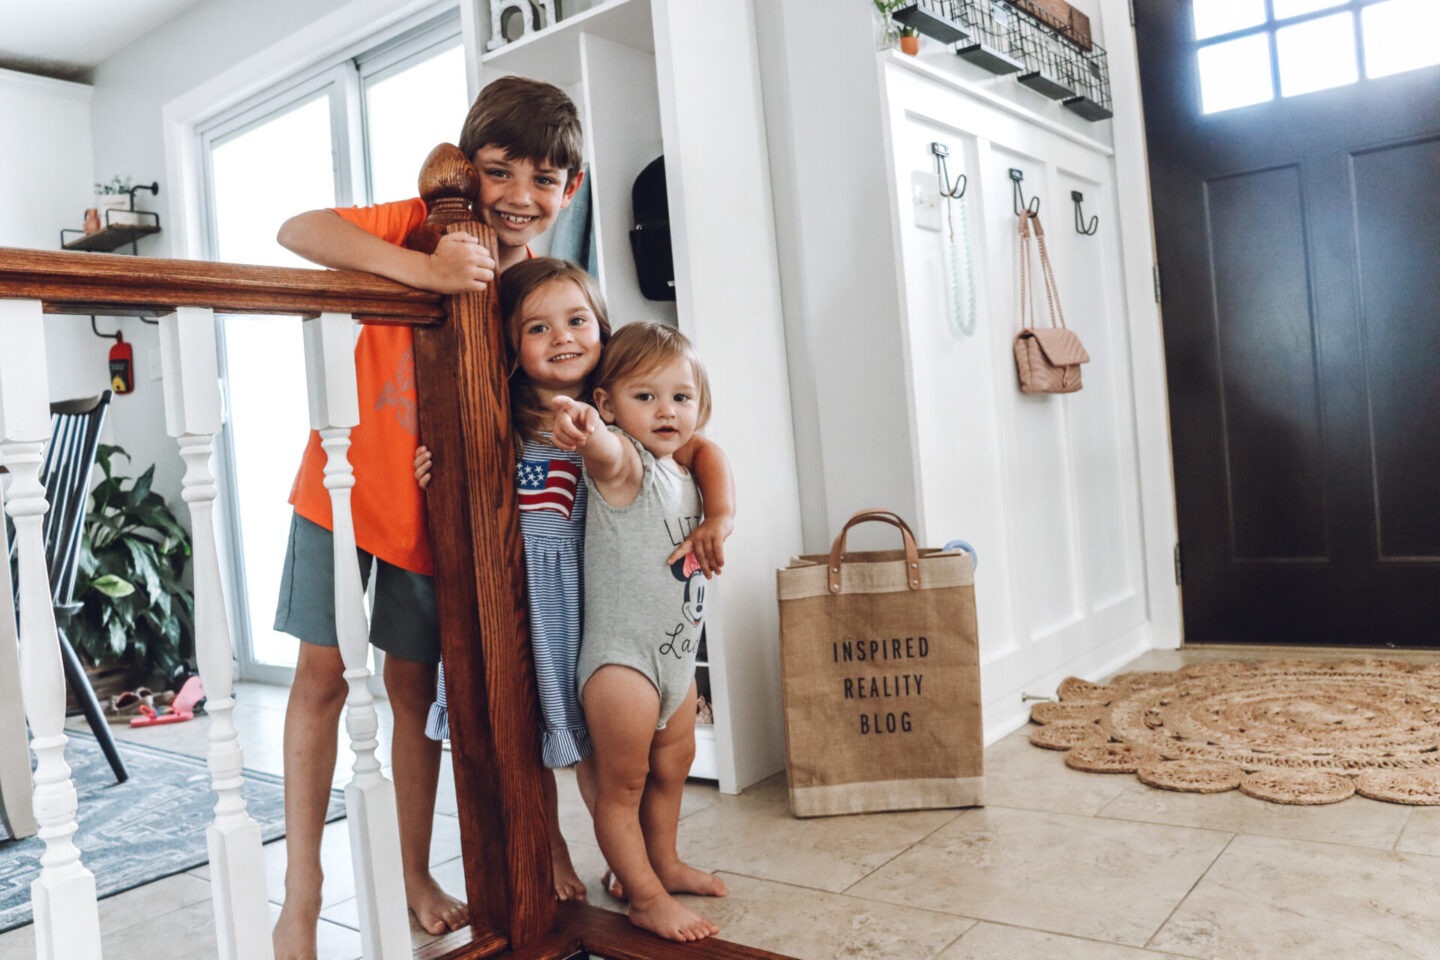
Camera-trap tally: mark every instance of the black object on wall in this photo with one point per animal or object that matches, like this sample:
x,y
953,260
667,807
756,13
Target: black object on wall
x,y
650,239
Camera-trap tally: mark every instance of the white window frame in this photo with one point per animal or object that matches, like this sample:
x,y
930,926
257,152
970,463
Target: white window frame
x,y
342,78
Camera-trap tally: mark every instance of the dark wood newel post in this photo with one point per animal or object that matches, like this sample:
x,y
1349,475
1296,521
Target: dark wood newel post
x,y
460,372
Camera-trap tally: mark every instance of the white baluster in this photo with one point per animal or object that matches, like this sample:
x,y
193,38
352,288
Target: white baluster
x,y
67,920
192,416
15,783
369,797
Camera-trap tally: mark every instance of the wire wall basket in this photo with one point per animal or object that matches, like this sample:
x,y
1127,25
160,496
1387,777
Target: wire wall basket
x,y
1092,86
993,44
1004,39
935,18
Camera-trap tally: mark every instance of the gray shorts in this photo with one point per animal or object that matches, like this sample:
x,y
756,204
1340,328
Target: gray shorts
x,y
403,621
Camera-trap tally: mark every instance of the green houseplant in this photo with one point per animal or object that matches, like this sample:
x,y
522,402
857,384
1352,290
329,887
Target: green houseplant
x,y
134,607
889,32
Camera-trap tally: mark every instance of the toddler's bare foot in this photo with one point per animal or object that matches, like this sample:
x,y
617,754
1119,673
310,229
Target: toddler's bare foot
x,y
612,885
567,882
294,934
435,910
663,916
683,878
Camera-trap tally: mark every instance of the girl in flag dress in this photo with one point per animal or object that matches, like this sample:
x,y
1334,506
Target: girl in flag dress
x,y
557,326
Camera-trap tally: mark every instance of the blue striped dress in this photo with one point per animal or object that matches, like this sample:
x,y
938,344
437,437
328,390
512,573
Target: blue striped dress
x,y
552,495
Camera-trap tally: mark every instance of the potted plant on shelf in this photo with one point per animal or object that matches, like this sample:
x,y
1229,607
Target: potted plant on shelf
x,y
114,195
133,613
909,40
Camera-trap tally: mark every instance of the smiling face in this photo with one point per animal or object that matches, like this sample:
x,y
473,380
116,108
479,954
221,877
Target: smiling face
x,y
657,406
519,198
558,338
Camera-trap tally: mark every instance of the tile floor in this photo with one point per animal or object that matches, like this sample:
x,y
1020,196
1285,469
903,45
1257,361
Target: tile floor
x,y
1059,865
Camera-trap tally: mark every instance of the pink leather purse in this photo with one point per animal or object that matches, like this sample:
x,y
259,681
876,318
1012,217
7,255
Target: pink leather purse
x,y
1047,359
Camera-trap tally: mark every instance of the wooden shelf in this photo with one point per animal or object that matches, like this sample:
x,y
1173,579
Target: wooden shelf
x,y
112,237
553,53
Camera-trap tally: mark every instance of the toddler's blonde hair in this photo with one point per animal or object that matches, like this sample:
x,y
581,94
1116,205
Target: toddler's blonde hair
x,y
637,348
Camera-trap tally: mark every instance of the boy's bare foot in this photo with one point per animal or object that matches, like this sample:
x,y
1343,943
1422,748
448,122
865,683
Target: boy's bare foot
x,y
568,885
683,878
435,910
294,933
663,916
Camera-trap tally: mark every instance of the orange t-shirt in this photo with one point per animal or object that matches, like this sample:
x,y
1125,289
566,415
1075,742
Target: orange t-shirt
x,y
386,502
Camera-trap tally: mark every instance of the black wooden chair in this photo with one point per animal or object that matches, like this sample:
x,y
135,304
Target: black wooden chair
x,y
69,457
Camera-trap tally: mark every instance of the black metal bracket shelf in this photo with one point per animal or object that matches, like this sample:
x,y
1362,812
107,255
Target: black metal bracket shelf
x,y
114,235
1004,39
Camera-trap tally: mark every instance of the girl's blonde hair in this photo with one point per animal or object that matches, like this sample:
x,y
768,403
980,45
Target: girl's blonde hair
x,y
516,284
637,348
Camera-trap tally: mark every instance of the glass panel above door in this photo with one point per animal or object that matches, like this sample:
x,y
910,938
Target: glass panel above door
x,y
1214,17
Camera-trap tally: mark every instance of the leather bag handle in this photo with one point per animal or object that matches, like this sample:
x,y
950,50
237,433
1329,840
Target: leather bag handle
x,y
837,549
1047,273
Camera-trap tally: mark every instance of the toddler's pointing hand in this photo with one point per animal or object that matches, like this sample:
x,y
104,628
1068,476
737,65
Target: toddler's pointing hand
x,y
574,423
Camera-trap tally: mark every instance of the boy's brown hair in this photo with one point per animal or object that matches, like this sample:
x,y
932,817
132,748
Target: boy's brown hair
x,y
527,413
640,347
529,119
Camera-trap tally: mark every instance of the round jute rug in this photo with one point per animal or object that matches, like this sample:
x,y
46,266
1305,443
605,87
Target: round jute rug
x,y
1288,731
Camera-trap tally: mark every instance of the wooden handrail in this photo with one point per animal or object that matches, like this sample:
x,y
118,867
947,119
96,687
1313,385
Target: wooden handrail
x,y
113,285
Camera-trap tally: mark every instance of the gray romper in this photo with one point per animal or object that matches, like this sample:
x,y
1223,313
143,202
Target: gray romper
x,y
639,611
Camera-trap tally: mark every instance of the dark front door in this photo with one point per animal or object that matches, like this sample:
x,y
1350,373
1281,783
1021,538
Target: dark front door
x,y
1299,250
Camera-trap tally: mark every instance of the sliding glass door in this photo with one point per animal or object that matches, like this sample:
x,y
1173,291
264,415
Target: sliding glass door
x,y
354,131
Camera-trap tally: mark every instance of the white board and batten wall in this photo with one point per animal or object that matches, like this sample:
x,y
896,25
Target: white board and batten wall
x,y
1067,499
1075,574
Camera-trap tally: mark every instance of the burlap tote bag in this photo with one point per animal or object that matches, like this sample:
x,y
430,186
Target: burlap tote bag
x,y
881,676
1047,359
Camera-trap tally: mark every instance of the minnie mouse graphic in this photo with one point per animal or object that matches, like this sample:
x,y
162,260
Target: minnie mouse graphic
x,y
692,606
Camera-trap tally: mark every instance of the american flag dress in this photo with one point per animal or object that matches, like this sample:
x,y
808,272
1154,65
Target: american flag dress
x,y
552,495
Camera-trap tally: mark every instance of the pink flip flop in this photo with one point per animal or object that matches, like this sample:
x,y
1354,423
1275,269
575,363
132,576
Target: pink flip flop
x,y
181,708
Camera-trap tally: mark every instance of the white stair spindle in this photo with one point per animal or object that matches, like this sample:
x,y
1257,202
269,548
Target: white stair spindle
x,y
369,797
192,416
16,786
67,919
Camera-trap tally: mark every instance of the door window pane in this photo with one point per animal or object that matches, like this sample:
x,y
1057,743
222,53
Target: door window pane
x,y
1294,8
406,114
1214,17
1317,55
260,177
1235,74
1400,35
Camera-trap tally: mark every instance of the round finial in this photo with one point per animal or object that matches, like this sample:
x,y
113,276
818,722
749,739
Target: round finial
x,y
447,173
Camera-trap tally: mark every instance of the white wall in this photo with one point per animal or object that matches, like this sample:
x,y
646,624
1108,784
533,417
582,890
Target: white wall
x,y
46,182
842,313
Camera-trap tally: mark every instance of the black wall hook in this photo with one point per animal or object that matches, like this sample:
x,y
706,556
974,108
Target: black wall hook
x,y
1080,225
946,190
1021,207
117,336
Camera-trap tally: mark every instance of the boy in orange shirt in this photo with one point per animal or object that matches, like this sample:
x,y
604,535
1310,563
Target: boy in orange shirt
x,y
525,140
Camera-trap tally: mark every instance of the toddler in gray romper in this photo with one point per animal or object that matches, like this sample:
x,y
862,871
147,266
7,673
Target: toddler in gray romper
x,y
640,612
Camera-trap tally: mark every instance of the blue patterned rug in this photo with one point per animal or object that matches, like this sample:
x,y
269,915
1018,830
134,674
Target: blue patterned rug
x,y
149,827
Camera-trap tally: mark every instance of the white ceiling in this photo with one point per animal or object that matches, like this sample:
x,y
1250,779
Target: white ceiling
x,y
67,38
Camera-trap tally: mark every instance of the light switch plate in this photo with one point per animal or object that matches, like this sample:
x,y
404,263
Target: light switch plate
x,y
925,195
